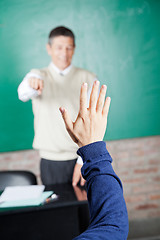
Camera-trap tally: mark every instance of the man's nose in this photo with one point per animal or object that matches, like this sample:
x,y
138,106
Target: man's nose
x,y
64,51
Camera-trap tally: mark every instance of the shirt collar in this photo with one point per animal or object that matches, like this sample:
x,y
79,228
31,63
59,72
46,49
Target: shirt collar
x,y
61,72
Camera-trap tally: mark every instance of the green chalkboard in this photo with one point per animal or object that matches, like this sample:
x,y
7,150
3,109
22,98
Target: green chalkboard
x,y
119,40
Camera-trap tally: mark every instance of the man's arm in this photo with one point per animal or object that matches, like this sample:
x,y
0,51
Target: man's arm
x,y
109,219
30,87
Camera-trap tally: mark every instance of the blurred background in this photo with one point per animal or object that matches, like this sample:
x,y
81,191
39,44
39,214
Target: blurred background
x,y
119,41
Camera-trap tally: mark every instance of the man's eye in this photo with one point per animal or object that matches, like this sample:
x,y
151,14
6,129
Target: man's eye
x,y
70,48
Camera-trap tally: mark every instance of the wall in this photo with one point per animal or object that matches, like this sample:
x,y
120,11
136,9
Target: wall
x,y
136,161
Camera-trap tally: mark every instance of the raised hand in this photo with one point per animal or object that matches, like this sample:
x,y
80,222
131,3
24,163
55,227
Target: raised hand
x,y
91,122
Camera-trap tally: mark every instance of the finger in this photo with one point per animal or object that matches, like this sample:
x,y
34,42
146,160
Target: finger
x,y
83,99
67,119
84,195
93,97
77,192
31,82
82,181
106,106
76,178
36,83
68,124
101,98
40,85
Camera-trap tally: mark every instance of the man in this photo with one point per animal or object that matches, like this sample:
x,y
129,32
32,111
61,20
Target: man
x,y
58,84
108,213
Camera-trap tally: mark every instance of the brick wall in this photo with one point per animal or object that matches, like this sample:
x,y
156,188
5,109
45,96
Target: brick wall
x,y
21,160
136,161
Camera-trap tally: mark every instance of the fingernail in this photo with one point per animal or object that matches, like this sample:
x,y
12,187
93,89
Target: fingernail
x,y
85,84
97,82
62,110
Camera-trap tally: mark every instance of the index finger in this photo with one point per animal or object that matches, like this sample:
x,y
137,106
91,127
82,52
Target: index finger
x,y
83,99
40,84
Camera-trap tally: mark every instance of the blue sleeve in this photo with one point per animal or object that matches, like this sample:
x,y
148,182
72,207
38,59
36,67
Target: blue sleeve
x,y
108,212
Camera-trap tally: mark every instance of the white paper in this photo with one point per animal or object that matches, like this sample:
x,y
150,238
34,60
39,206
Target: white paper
x,y
26,203
21,193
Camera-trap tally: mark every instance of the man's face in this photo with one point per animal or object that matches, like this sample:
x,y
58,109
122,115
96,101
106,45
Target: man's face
x,y
61,51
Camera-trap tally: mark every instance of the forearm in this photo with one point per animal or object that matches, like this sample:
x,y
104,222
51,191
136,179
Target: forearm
x,y
105,195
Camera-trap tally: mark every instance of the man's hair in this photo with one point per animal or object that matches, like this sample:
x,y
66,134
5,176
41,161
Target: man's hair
x,y
60,31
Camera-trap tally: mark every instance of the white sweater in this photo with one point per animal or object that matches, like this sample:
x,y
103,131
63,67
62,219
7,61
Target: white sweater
x,y
51,137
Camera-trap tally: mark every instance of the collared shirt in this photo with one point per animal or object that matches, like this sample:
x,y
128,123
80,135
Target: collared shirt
x,y
61,72
25,92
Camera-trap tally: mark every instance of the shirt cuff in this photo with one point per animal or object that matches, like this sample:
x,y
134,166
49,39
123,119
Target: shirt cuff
x,y
25,92
79,160
94,151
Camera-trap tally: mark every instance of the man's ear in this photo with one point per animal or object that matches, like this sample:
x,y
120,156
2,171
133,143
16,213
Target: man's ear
x,y
48,47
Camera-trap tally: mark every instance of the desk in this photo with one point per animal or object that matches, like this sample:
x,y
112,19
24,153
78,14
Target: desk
x,y
63,219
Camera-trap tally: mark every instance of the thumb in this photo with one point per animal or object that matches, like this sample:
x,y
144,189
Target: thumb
x,y
76,174
68,123
67,119
82,181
